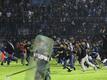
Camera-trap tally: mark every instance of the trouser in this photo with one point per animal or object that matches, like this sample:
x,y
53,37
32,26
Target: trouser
x,y
8,60
28,59
23,58
72,61
60,59
85,59
65,62
43,75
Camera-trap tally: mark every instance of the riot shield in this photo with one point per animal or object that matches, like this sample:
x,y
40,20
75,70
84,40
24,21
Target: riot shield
x,y
42,49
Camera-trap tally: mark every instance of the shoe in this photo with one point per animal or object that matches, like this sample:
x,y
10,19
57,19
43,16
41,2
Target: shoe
x,y
27,64
2,64
69,70
74,68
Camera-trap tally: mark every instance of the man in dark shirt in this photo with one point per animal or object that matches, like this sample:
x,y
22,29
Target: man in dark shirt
x,y
84,57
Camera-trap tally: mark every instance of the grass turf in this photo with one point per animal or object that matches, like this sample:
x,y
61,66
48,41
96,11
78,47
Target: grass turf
x,y
57,73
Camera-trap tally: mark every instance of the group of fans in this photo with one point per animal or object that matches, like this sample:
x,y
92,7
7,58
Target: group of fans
x,y
10,52
67,52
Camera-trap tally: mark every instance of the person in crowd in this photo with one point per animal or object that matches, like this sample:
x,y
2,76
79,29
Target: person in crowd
x,y
71,55
23,52
84,57
94,57
3,56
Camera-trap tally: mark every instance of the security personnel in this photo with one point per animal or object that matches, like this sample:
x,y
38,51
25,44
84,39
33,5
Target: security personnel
x,y
44,47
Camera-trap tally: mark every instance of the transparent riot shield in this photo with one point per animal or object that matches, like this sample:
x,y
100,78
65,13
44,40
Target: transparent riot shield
x,y
42,49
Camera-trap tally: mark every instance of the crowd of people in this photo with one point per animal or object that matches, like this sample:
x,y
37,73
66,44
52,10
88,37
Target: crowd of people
x,y
12,51
60,19
66,51
84,51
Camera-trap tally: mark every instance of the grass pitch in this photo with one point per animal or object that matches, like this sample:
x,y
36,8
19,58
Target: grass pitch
x,y
57,73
